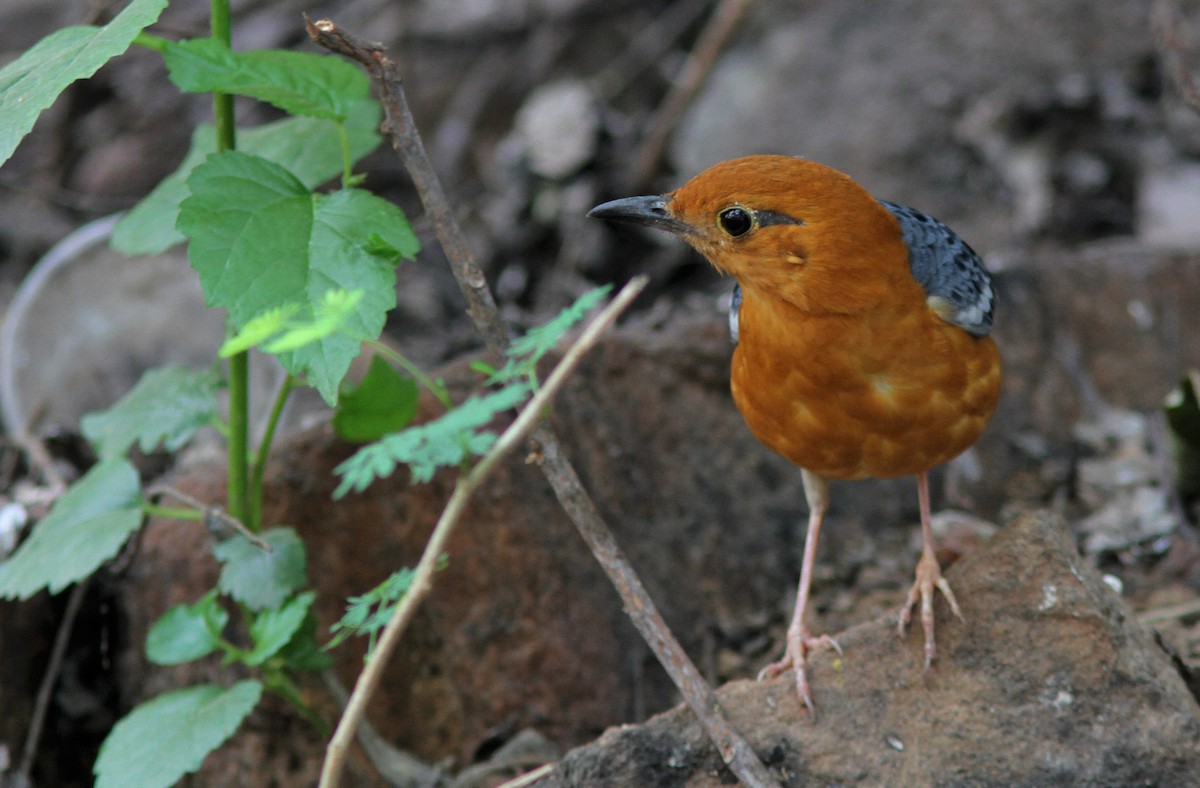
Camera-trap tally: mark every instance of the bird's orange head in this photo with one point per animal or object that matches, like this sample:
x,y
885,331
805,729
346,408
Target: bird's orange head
x,y
799,230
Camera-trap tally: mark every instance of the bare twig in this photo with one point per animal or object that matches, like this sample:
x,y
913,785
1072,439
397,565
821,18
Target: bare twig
x,y
529,778
213,515
422,580
1174,47
53,668
1160,614
734,750
385,73
394,765
39,459
712,41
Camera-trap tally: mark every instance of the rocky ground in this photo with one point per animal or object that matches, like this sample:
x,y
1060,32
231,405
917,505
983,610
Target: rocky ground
x,y
1054,136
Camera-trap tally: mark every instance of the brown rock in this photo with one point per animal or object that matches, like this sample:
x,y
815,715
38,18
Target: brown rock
x,y
523,631
1050,682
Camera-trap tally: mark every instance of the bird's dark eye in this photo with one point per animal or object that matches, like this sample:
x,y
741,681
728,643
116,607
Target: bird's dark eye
x,y
736,221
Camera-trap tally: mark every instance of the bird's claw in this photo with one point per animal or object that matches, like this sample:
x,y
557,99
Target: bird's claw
x,y
799,645
929,577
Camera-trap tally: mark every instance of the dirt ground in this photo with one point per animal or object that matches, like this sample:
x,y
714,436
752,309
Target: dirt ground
x,y
1061,139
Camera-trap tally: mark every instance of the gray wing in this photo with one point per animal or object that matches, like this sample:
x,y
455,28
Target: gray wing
x,y
955,280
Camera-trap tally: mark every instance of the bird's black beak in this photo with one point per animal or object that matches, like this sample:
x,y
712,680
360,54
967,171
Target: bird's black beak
x,y
651,211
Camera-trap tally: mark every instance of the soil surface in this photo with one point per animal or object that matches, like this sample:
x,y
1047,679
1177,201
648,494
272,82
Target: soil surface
x,y
1055,136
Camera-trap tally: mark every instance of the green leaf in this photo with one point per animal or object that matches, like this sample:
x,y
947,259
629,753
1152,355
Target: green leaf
x,y
299,83
167,407
309,147
258,329
271,630
165,738
369,613
31,83
260,240
257,578
329,317
85,528
385,401
187,632
526,351
302,652
444,442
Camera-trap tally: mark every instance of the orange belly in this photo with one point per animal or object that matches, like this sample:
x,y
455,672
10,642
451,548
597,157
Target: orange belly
x,y
851,396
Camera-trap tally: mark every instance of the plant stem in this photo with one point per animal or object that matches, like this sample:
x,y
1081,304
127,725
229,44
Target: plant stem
x,y
347,159
172,512
279,682
151,41
239,366
221,29
236,499
259,468
434,387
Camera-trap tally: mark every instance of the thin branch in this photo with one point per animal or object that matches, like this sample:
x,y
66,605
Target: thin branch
x,y
394,765
1160,614
53,668
214,516
422,581
712,42
385,73
529,778
39,459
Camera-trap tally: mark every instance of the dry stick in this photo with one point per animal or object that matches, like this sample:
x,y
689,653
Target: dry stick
x,y
212,514
422,580
394,765
1160,614
53,668
385,72
712,41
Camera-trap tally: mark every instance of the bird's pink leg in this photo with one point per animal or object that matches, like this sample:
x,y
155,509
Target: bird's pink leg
x,y
799,641
929,577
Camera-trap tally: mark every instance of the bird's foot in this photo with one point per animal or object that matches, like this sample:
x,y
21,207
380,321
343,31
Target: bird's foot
x,y
799,645
929,577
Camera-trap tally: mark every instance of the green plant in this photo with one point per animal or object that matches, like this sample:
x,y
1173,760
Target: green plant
x,y
248,202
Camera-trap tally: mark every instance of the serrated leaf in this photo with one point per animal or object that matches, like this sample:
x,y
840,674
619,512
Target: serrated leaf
x,y
369,613
385,401
444,442
260,239
165,738
31,83
85,528
166,407
308,147
257,578
300,83
302,652
527,350
271,630
540,340
187,632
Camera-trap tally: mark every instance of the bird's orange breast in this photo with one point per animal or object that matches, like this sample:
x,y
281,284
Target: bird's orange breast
x,y
888,393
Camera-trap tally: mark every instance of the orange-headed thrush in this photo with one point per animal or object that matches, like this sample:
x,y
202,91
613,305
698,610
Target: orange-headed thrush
x,y
862,339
